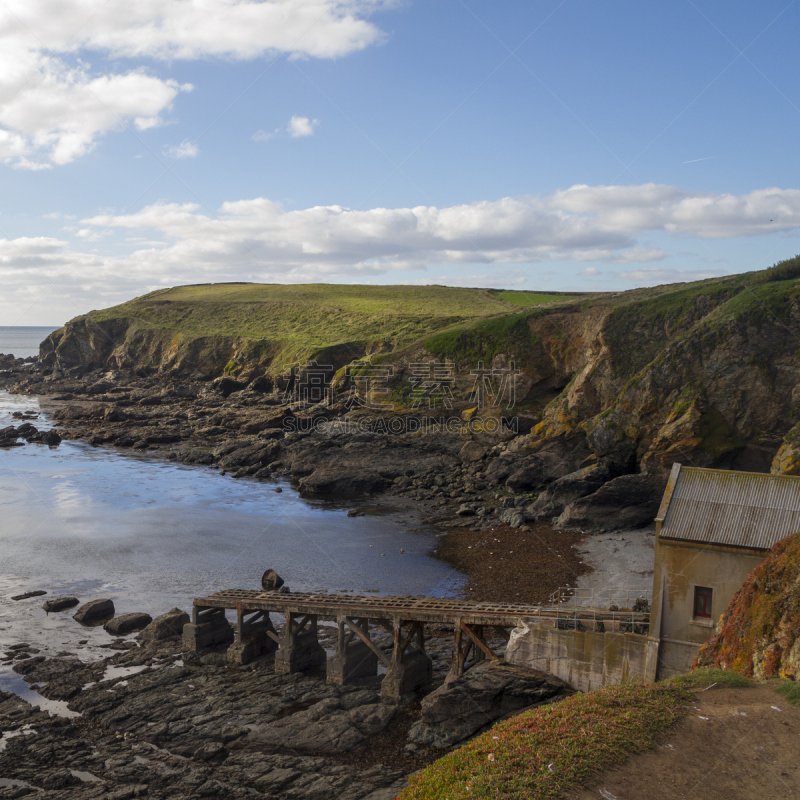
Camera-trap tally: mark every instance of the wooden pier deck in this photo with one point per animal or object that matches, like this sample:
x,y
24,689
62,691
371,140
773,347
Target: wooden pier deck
x,y
357,656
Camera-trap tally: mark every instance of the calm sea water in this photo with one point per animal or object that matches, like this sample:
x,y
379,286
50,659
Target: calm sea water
x,y
23,341
152,534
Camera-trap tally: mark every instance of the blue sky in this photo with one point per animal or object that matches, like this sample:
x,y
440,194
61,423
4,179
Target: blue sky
x,y
536,145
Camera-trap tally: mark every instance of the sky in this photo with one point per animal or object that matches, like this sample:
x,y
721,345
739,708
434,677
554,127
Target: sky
x,y
523,144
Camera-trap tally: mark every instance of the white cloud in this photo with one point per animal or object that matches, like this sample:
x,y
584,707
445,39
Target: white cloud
x,y
296,127
301,126
482,243
259,240
186,149
56,106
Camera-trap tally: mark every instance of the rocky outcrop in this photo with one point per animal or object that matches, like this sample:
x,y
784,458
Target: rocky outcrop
x,y
94,611
487,692
165,626
127,623
759,633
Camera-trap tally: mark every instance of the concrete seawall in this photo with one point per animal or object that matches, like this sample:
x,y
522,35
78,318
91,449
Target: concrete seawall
x,y
584,659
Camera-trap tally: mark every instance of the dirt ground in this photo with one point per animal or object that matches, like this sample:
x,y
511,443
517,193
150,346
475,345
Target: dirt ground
x,y
507,565
734,744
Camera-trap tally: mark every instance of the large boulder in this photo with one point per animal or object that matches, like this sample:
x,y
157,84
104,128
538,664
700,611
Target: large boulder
x,y
127,623
60,604
94,611
488,692
569,488
629,501
472,451
165,626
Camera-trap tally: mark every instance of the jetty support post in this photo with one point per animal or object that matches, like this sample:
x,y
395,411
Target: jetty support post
x,y
207,629
469,640
356,654
299,649
410,667
252,637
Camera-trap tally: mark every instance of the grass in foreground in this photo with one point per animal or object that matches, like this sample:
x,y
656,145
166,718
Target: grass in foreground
x,y
542,752
790,690
705,677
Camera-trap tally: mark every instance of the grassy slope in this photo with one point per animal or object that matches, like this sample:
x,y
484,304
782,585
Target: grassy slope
x,y
542,752
317,314
464,325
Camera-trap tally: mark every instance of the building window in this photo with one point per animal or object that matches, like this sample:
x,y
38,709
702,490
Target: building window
x,y
702,602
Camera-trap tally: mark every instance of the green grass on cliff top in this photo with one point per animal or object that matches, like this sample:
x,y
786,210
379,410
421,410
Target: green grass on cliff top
x,y
317,314
548,750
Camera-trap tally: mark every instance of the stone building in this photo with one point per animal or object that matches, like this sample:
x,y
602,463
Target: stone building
x,y
713,527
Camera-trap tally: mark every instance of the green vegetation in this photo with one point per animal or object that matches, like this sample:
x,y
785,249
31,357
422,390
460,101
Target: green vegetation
x,y
482,341
527,298
543,752
790,690
296,322
705,677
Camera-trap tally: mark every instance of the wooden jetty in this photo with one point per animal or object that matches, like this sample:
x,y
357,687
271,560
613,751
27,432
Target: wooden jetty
x,y
407,667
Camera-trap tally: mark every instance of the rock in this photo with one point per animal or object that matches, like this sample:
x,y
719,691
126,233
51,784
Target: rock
x,y
513,517
487,692
472,451
165,626
323,728
466,510
50,438
60,604
629,501
127,623
26,595
95,610
569,488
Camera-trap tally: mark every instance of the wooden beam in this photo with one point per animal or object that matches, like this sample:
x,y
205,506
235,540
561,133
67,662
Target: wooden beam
x,y
364,636
480,643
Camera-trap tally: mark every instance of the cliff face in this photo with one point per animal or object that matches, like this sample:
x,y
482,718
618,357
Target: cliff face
x,y
707,374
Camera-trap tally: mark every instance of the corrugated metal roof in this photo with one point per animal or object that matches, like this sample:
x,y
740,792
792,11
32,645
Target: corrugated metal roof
x,y
740,509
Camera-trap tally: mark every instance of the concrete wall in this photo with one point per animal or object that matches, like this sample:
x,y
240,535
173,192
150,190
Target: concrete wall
x,y
679,567
584,659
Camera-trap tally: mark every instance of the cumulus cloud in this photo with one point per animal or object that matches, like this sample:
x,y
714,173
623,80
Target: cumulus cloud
x,y
186,149
302,126
55,106
296,127
258,240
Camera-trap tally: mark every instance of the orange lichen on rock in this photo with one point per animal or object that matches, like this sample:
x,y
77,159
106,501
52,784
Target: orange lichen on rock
x,y
759,634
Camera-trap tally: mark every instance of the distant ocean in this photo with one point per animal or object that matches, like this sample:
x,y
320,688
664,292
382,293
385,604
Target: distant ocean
x,y
23,340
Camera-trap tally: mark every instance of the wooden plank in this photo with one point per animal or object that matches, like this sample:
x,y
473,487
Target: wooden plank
x,y
368,642
381,610
480,643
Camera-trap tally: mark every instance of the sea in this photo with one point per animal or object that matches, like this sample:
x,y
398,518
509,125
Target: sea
x,y
152,534
23,340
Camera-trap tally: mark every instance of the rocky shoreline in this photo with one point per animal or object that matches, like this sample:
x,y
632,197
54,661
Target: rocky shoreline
x,y
151,720
463,477
189,726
